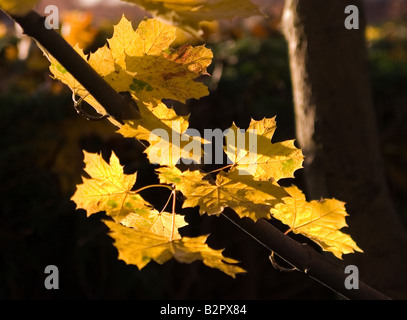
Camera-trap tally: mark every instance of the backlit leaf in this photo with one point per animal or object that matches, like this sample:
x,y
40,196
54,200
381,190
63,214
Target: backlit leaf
x,y
159,223
166,133
253,153
318,220
246,196
149,69
152,118
108,189
154,70
140,247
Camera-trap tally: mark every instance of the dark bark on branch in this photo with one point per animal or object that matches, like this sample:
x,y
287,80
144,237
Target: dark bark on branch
x,y
115,105
337,131
304,258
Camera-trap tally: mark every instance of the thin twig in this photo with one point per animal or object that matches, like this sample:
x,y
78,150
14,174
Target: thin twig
x,y
304,258
166,204
219,169
153,186
173,214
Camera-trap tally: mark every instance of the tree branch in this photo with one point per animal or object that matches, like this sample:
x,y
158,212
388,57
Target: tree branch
x,y
304,258
114,104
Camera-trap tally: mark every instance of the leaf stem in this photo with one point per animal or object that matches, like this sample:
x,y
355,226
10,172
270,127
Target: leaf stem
x,y
225,167
152,186
174,198
166,204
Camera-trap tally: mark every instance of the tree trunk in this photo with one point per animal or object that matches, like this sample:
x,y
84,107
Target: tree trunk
x,y
336,128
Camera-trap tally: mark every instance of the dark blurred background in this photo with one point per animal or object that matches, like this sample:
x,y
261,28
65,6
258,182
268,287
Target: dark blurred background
x,y
42,138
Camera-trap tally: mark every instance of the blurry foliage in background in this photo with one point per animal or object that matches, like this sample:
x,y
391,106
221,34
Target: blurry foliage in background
x,y
42,138
387,46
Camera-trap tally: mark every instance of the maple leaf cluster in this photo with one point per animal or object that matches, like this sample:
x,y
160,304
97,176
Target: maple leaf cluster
x,y
142,63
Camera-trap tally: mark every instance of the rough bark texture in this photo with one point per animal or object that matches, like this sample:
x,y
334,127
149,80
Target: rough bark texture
x,y
336,127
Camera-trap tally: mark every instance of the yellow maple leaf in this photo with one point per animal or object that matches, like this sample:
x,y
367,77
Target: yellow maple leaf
x,y
150,69
252,152
163,224
153,117
186,181
246,196
150,38
190,14
140,247
166,133
18,8
318,220
108,189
